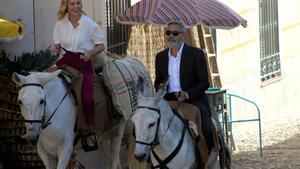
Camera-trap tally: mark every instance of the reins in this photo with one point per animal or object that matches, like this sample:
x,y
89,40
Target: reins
x,y
162,164
47,123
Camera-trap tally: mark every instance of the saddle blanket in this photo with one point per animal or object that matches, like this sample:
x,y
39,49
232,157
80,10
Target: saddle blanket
x,y
121,77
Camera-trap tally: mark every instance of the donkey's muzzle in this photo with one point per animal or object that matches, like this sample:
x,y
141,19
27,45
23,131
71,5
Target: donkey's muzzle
x,y
30,139
140,157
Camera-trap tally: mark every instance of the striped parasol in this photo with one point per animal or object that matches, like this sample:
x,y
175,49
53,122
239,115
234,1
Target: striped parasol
x,y
209,13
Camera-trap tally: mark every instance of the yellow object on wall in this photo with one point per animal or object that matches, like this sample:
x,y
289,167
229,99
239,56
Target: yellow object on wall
x,y
10,30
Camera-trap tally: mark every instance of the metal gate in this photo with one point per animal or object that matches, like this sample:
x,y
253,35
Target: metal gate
x,y
269,40
117,34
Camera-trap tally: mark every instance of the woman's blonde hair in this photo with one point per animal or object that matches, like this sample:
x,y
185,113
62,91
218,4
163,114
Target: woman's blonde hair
x,y
63,9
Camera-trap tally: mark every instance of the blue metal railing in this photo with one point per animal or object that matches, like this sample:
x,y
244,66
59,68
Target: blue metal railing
x,y
229,97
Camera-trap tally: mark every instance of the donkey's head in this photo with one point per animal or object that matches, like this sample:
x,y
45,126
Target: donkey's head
x,y
146,120
32,100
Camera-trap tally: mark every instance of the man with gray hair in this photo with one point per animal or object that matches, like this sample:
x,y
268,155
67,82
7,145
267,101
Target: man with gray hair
x,y
186,70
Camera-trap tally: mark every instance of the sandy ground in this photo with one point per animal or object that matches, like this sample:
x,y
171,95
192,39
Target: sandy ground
x,y
281,140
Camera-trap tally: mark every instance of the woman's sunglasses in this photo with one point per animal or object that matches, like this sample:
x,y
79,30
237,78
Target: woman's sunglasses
x,y
174,33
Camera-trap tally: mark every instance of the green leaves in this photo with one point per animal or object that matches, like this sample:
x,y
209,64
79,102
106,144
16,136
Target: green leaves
x,y
26,62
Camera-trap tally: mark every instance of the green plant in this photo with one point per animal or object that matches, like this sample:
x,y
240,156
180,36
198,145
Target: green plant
x,y
4,63
26,62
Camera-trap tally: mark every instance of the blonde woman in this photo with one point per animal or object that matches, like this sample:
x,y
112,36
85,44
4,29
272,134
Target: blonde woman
x,y
79,39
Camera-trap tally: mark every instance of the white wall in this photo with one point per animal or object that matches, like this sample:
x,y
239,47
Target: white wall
x,y
96,10
239,60
23,9
45,18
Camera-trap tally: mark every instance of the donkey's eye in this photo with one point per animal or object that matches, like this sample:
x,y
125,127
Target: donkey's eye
x,y
42,102
151,125
20,102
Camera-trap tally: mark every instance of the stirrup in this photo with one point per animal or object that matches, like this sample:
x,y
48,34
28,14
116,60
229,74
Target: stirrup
x,y
89,142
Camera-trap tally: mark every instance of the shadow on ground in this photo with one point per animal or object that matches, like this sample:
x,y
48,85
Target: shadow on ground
x,y
284,155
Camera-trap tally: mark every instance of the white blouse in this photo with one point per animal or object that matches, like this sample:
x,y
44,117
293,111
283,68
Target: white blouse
x,y
80,39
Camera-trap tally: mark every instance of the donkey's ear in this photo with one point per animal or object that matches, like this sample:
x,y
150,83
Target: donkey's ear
x,y
140,88
18,79
45,77
162,89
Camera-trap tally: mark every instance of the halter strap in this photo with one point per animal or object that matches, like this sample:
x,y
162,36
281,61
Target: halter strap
x,y
43,120
35,121
155,141
32,84
150,108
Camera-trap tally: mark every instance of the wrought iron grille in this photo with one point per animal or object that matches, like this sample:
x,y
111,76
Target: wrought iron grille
x,y
117,34
269,40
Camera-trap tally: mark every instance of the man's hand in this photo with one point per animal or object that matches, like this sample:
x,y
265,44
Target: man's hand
x,y
181,96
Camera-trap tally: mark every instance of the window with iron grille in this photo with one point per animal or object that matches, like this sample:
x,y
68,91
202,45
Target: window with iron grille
x,y
269,40
117,34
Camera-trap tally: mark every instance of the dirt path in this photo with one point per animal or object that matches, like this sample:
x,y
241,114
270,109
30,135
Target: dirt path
x,y
281,138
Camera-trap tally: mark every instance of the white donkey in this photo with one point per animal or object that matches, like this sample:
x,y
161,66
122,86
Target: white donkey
x,y
163,134
49,114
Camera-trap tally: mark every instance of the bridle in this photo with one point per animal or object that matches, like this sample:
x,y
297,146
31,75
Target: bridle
x,y
163,163
155,140
44,123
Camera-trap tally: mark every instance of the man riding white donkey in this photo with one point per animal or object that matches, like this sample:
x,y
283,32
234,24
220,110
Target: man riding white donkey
x,y
186,70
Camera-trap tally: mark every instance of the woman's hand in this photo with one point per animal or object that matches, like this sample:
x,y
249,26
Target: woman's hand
x,y
85,57
51,69
55,49
91,53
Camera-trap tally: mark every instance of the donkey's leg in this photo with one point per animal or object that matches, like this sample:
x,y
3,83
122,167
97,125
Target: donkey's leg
x,y
48,160
116,146
64,154
212,162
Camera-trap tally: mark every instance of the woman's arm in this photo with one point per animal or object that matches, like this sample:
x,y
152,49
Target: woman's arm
x,y
89,54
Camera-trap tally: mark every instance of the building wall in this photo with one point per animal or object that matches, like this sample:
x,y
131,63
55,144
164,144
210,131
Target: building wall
x,y
45,18
289,27
239,60
24,11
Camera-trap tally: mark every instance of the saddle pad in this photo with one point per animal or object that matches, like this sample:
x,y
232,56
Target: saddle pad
x,y
121,77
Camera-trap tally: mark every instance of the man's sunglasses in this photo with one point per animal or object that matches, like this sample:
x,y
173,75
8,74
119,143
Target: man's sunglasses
x,y
174,33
